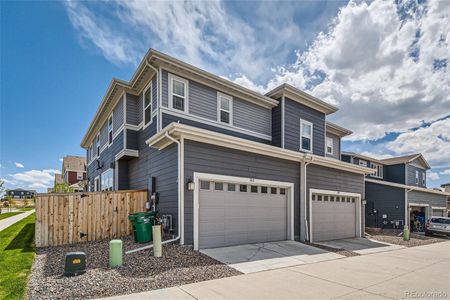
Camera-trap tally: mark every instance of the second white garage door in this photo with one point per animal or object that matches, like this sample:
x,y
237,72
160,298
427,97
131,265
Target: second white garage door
x,y
234,213
334,216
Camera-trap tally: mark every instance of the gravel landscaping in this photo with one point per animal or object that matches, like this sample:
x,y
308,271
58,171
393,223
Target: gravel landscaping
x,y
339,251
391,237
140,271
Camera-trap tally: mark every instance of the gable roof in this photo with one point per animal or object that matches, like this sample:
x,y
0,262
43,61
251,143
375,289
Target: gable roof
x,y
337,130
406,159
74,163
364,157
302,97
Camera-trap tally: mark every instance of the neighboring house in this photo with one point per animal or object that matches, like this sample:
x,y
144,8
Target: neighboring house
x,y
21,193
230,165
397,192
446,187
73,169
58,179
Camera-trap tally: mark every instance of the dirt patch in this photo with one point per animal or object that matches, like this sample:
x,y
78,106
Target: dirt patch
x,y
340,251
140,271
391,236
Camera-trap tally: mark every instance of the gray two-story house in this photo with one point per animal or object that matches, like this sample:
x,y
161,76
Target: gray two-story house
x,y
396,193
229,165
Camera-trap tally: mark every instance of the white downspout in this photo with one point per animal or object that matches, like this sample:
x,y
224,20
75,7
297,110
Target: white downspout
x,y
306,201
180,192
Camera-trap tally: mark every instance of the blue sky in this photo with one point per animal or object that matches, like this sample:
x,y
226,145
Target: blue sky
x,y
385,65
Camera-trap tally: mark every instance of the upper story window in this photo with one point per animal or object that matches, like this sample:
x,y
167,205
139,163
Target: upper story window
x,y
363,163
79,176
224,108
178,93
148,104
378,170
423,178
306,135
110,129
329,145
417,177
97,144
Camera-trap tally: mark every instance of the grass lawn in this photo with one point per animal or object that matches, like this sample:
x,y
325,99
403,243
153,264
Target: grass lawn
x,y
9,214
16,258
27,209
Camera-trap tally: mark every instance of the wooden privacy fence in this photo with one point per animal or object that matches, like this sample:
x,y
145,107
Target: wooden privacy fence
x,y
80,217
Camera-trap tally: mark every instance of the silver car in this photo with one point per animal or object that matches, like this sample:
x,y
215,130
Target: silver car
x,y
438,225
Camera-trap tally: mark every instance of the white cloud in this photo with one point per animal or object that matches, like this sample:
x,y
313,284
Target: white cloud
x,y
37,179
376,155
18,165
61,159
433,176
445,172
432,141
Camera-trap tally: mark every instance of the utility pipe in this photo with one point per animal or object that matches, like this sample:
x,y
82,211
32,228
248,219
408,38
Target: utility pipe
x,y
180,187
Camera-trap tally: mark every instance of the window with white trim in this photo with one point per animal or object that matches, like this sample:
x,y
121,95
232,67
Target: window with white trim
x,y
97,144
329,145
306,135
107,180
97,184
79,176
363,163
417,177
423,178
178,93
110,130
147,111
378,170
224,108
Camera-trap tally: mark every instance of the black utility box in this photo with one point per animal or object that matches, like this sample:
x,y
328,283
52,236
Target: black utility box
x,y
75,263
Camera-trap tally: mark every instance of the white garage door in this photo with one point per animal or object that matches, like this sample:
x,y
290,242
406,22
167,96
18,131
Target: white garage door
x,y
232,214
438,213
334,217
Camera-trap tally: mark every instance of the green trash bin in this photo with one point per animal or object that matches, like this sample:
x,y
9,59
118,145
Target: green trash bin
x,y
142,226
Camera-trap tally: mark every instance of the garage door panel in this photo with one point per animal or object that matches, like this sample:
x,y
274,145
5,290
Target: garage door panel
x,y
231,218
332,219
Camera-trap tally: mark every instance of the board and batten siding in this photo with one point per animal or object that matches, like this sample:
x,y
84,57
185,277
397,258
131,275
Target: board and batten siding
x,y
205,158
336,146
386,200
295,111
203,103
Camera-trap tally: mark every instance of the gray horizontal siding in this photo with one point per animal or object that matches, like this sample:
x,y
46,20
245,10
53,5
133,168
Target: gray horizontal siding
x,y
133,110
252,116
295,111
319,177
411,176
217,160
386,200
106,158
118,116
123,180
165,89
336,146
427,198
104,135
168,118
395,173
203,103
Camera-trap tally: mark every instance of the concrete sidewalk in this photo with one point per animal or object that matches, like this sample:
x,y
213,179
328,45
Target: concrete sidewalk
x,y
5,223
418,272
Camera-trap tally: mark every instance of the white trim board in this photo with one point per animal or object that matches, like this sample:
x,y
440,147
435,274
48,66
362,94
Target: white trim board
x,y
240,180
404,186
336,193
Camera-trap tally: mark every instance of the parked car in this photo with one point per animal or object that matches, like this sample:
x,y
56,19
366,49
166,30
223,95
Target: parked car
x,y
438,225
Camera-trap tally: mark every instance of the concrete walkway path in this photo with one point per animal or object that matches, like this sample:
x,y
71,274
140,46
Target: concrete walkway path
x,y
417,272
5,223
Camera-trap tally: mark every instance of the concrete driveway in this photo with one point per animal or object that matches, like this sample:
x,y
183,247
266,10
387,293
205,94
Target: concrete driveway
x,y
360,245
410,273
258,257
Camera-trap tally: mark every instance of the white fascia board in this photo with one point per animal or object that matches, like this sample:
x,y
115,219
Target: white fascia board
x,y
408,187
178,130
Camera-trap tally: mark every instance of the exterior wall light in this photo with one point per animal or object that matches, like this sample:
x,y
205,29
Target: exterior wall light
x,y
190,185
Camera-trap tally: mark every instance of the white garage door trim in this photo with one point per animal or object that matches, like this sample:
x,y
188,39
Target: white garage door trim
x,y
233,179
336,193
